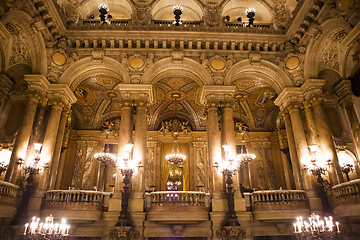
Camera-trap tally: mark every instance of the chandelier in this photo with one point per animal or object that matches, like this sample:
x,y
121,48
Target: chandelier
x,y
47,229
175,127
106,157
316,228
244,157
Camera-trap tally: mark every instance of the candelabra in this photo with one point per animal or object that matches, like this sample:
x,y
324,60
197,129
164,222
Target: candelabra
x,y
346,169
250,13
127,168
47,229
319,168
177,10
31,169
103,10
106,157
316,228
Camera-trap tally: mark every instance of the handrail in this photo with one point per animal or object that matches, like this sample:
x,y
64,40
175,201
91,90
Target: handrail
x,y
7,190
275,198
189,198
86,197
347,191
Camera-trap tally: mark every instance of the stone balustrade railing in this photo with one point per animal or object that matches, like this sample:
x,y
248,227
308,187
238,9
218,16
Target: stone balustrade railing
x,y
7,191
348,192
277,199
80,199
188,198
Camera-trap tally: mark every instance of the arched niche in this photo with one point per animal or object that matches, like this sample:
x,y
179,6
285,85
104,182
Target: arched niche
x,y
162,10
26,44
236,8
118,9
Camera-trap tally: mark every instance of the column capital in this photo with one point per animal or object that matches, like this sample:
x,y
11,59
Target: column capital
x,y
37,83
288,97
313,88
62,93
136,92
211,95
343,89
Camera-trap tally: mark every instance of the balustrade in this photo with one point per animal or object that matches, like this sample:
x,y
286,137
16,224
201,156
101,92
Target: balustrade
x,y
348,192
7,192
275,199
68,198
188,198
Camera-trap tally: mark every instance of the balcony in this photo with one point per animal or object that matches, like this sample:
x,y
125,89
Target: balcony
x,y
7,201
277,204
76,205
347,199
177,213
177,206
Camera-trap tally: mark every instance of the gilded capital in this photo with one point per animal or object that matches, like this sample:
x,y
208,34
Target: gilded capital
x,y
289,96
136,93
216,95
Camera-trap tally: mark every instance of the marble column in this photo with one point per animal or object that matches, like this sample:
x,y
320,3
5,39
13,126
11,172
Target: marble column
x,y
140,138
57,152
228,138
48,147
22,138
296,166
125,137
310,121
62,160
285,157
214,143
326,140
301,144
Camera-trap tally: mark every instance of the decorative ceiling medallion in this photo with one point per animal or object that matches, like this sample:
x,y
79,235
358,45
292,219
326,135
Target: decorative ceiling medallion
x,y
217,64
110,94
58,58
136,62
292,63
176,94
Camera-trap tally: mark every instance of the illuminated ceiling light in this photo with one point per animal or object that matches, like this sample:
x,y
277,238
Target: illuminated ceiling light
x,y
177,10
250,13
316,228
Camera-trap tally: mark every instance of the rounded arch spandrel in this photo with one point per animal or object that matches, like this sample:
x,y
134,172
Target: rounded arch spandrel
x,y
168,68
84,68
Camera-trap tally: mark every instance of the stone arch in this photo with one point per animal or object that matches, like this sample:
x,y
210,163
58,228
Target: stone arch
x,y
326,51
187,68
118,9
31,41
266,71
85,67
